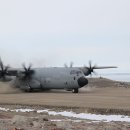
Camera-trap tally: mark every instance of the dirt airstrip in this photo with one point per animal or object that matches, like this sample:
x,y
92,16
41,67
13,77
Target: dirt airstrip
x,y
100,93
100,96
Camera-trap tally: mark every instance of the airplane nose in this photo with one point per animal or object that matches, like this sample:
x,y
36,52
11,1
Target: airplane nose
x,y
82,81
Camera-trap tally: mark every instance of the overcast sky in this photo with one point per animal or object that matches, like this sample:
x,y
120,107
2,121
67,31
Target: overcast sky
x,y
54,32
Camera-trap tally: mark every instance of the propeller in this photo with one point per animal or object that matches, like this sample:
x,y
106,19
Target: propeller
x,y
70,66
90,69
3,70
27,73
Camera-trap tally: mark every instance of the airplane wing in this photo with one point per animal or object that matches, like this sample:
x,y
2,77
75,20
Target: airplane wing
x,y
105,67
7,71
90,69
12,72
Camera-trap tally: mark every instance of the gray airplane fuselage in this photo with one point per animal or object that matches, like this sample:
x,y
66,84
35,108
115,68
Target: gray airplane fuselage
x,y
28,78
57,78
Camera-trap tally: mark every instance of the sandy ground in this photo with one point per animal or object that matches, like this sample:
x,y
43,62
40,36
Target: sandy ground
x,y
95,95
100,96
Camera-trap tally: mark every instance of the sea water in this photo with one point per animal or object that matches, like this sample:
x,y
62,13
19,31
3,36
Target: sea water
x,y
118,77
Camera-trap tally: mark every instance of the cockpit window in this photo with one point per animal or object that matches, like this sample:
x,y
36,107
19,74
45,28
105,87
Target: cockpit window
x,y
75,72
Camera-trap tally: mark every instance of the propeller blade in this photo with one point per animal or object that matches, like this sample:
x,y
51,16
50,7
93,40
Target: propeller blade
x,y
71,64
27,72
1,65
3,70
65,65
90,63
6,68
90,69
29,68
24,67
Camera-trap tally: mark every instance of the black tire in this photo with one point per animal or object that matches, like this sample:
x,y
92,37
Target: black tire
x,y
75,90
28,90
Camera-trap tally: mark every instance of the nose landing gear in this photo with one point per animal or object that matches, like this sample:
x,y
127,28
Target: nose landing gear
x,y
75,90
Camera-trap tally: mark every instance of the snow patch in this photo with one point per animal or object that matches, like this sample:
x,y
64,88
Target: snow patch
x,y
84,116
89,116
4,109
22,110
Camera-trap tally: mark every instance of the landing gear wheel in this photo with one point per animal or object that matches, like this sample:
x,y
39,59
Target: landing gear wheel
x,y
28,88
76,90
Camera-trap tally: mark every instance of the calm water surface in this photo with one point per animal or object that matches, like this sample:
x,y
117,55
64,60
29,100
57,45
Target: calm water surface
x,y
118,77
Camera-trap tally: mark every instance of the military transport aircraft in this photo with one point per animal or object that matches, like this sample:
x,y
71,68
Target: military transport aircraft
x,y
68,78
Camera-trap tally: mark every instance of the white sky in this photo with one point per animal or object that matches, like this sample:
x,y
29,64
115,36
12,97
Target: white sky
x,y
54,32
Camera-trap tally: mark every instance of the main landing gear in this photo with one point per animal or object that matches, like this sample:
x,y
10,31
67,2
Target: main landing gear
x,y
28,88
